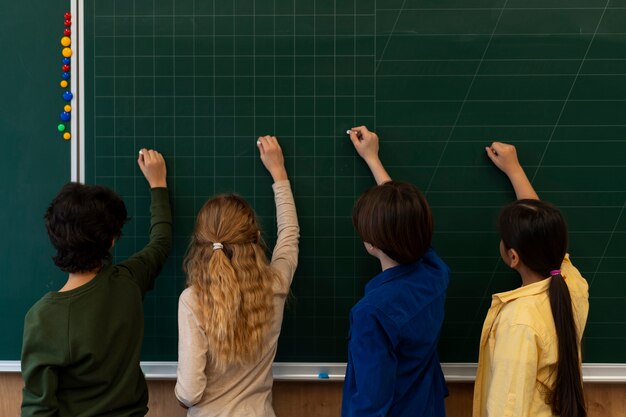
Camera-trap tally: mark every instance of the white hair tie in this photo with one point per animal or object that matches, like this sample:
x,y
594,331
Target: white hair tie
x,y
217,246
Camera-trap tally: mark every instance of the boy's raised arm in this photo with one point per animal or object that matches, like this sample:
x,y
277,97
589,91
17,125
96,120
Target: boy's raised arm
x,y
146,264
366,144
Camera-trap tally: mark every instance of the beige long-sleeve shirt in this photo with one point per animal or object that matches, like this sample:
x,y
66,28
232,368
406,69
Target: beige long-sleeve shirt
x,y
241,390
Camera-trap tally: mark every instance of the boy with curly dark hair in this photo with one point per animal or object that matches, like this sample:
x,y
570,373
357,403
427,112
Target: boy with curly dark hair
x,y
80,354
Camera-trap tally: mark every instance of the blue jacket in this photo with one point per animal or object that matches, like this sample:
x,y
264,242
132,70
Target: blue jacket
x,y
393,367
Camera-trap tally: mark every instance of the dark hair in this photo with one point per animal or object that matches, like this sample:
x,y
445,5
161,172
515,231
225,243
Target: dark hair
x,y
395,217
82,222
538,232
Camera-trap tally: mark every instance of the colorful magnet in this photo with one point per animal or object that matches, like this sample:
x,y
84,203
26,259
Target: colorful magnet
x,y
67,61
65,76
68,16
67,32
67,52
66,41
61,127
68,96
65,116
63,84
66,68
68,23
67,136
67,108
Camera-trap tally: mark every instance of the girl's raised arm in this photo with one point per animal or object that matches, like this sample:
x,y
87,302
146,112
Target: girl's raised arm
x,y
285,254
504,156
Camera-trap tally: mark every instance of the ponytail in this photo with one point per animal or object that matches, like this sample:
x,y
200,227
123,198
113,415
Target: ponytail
x,y
567,398
225,296
232,280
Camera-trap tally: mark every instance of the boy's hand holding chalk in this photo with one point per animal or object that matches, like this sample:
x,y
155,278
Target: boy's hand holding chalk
x,y
152,164
366,144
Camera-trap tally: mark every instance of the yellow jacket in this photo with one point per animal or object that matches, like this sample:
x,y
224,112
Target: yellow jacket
x,y
518,348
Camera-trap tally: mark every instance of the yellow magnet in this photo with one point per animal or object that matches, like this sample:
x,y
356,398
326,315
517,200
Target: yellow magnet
x,y
64,84
67,136
67,52
67,108
66,41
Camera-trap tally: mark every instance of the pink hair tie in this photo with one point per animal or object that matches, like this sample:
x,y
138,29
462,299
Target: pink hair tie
x,y
555,272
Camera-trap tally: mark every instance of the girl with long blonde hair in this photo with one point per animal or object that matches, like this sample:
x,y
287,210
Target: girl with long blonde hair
x,y
230,315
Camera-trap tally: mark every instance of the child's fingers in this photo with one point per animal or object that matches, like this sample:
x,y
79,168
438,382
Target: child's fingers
x,y
491,153
140,156
260,145
148,156
158,158
497,147
360,128
354,137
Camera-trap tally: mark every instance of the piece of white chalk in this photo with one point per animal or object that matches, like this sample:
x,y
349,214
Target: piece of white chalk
x,y
140,152
258,142
348,132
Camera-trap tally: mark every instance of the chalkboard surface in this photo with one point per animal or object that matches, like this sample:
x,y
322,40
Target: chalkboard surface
x,y
34,162
438,80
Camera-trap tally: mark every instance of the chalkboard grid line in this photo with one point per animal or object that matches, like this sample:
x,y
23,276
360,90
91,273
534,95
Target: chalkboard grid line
x,y
214,111
476,324
254,94
501,59
334,330
135,243
580,67
355,122
606,247
461,9
154,79
194,87
393,29
467,93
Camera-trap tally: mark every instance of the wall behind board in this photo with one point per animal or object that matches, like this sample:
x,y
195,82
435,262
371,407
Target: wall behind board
x,y
35,160
199,80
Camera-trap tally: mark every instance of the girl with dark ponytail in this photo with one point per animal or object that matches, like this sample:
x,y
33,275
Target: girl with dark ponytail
x,y
530,361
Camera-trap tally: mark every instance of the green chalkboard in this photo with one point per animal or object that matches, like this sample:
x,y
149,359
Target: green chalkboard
x,y
200,79
34,162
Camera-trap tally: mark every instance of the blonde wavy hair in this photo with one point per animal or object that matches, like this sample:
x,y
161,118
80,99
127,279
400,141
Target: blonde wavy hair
x,y
233,284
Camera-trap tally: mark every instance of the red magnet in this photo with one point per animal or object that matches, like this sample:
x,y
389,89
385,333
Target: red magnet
x,y
68,23
66,68
68,16
67,32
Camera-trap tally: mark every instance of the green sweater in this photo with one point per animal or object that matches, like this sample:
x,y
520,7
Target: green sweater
x,y
80,354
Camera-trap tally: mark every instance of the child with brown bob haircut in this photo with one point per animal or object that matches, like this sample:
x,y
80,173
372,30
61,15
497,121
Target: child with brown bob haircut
x,y
393,367
80,354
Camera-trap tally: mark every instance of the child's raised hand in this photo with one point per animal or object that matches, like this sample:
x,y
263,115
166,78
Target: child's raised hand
x,y
365,143
272,157
152,164
504,156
